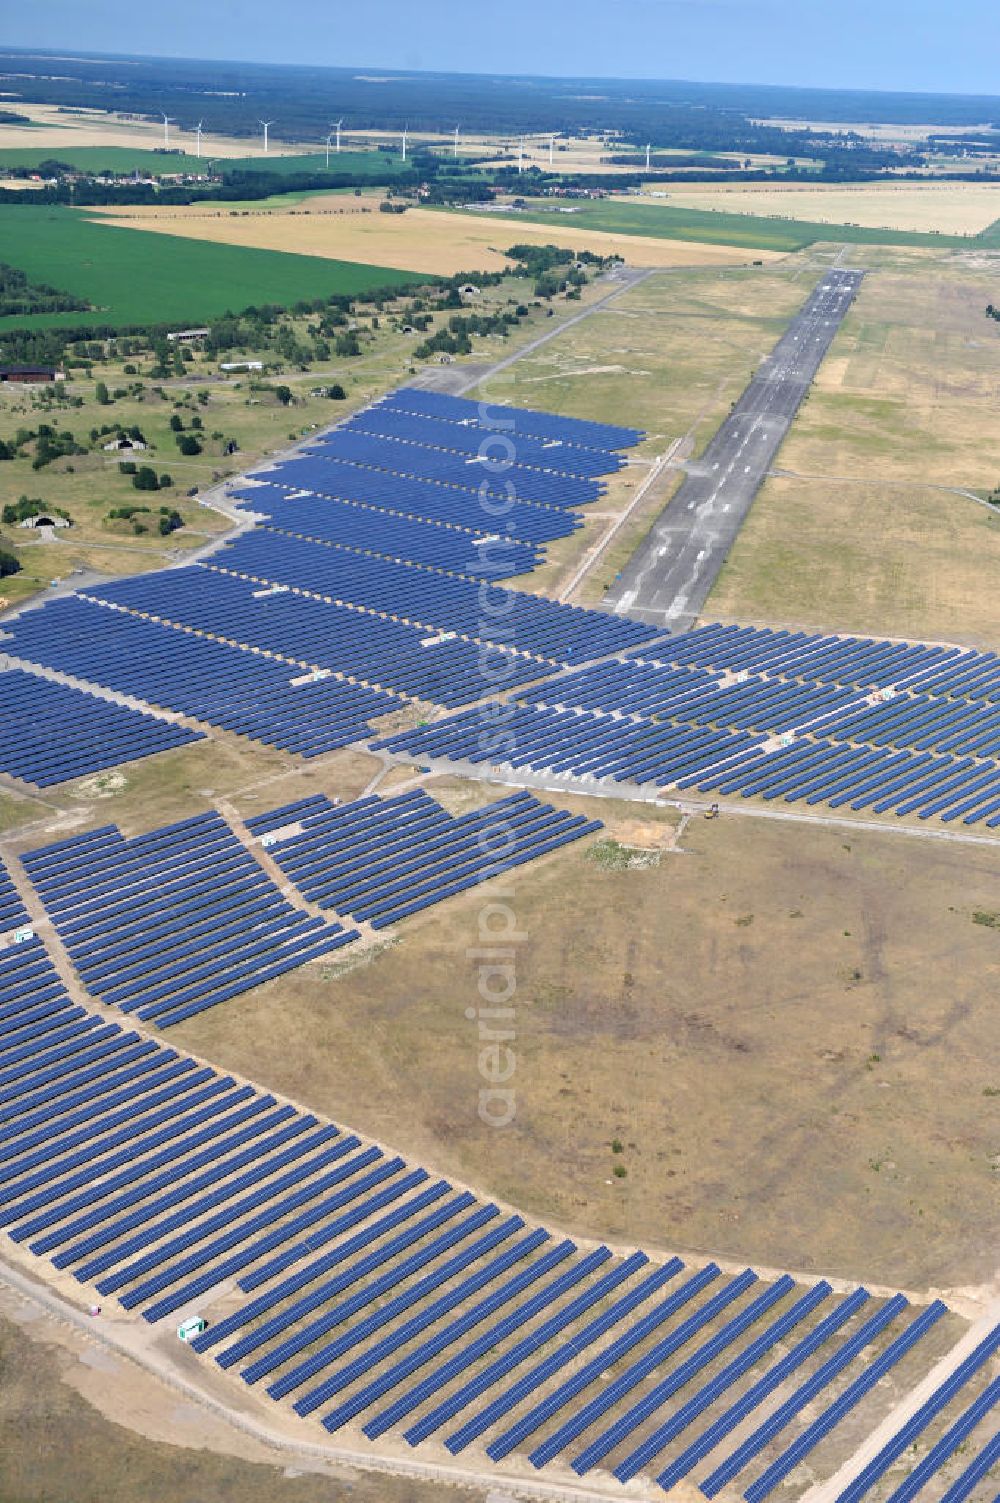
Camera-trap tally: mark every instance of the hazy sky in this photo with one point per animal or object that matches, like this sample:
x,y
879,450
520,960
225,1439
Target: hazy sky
x,y
884,44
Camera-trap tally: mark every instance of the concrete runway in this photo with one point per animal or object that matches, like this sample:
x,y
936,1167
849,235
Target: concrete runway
x,y
668,578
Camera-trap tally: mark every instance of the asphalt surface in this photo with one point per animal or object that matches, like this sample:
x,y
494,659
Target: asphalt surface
x,y
668,578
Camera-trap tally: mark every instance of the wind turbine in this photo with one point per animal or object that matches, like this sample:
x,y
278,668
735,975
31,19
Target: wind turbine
x,y
197,134
265,124
336,126
404,143
520,154
647,155
552,147
456,141
166,131
328,140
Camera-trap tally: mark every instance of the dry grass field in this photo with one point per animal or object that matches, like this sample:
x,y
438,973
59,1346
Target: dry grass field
x,y
865,527
425,240
787,1028
131,1438
949,208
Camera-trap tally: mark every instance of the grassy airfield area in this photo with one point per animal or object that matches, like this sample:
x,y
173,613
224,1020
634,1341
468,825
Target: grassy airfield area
x,y
871,522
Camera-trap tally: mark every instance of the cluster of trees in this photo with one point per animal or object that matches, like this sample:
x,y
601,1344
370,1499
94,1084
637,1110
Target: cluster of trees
x,y
167,519
992,312
188,443
49,444
555,268
18,295
117,430
144,477
455,337
9,563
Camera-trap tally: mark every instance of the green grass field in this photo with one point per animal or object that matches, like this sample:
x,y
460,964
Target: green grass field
x,y
717,228
138,279
374,164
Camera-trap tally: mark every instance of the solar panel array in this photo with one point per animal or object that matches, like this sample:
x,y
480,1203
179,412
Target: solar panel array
x,y
370,579
173,922
397,456
309,633
221,683
883,726
579,432
50,732
369,1293
469,439
430,600
382,859
420,500
379,533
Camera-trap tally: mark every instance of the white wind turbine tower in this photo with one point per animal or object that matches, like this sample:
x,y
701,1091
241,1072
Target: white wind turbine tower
x,y
647,155
404,142
197,137
455,153
265,124
166,131
552,147
328,140
520,154
336,125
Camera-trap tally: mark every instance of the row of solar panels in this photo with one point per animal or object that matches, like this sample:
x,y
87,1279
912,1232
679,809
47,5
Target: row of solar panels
x,y
385,534
815,770
773,704
50,732
420,500
495,446
488,481
553,742
168,924
429,599
225,685
307,633
489,415
382,859
12,911
372,1293
861,661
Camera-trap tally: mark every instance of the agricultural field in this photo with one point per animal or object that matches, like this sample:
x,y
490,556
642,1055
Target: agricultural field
x,y
133,279
120,159
874,520
944,208
627,217
420,240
